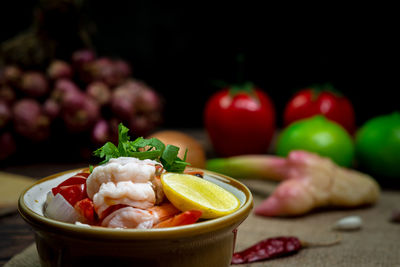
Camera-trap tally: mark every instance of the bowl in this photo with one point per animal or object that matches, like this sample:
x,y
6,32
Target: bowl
x,y
205,243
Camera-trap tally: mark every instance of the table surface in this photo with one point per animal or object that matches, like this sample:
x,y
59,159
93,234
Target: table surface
x,y
375,245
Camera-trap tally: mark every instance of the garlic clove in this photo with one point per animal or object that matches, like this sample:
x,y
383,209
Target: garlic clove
x,y
348,223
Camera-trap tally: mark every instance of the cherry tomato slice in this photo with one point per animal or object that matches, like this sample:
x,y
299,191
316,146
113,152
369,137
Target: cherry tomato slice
x,y
73,193
85,207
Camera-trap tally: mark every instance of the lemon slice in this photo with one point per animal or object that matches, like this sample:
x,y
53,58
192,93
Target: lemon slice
x,y
188,192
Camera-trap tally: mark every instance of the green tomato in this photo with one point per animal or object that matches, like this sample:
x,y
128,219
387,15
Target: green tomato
x,y
378,145
318,135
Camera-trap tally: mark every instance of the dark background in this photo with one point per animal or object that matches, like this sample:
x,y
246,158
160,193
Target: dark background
x,y
182,49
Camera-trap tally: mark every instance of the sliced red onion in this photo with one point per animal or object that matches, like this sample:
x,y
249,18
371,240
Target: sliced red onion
x,y
57,208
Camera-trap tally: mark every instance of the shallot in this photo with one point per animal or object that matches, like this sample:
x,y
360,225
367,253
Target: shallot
x,y
101,132
80,112
34,84
59,69
51,108
12,75
81,57
62,88
30,121
100,92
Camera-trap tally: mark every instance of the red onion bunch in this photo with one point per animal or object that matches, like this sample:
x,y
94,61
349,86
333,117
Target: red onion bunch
x,y
83,98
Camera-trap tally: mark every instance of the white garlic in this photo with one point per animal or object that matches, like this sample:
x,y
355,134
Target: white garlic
x,y
348,223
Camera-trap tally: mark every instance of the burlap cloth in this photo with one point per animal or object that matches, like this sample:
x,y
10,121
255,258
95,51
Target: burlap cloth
x,y
376,244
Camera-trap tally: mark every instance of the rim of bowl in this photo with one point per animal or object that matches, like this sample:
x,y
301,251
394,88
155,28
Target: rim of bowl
x,y
51,225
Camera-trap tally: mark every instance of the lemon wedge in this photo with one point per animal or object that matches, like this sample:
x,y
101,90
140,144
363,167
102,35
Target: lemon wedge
x,y
188,192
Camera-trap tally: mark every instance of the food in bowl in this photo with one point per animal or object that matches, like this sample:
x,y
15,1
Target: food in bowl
x,y
141,184
208,242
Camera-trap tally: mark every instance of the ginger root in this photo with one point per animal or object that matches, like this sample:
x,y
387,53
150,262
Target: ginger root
x,y
311,181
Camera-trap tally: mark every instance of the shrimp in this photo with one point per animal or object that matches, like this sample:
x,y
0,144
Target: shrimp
x,y
137,195
121,169
129,217
125,180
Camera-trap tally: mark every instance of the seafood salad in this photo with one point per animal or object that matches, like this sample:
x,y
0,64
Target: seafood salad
x,y
125,190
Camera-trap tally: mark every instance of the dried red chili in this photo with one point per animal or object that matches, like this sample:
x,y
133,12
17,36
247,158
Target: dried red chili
x,y
267,249
273,248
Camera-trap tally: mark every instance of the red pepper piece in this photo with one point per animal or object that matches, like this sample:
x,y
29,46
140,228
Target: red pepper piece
x,y
268,249
79,178
85,207
73,193
184,218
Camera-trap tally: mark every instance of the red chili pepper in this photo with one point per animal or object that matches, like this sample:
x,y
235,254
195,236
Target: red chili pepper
x,y
272,248
267,249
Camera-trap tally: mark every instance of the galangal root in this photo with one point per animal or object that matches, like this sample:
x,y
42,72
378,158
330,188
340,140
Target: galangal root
x,y
308,182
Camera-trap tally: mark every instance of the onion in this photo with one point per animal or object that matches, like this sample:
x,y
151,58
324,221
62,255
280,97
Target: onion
x,y
100,92
101,132
123,68
34,84
51,108
82,117
30,121
196,155
82,57
57,208
148,101
123,101
59,69
12,75
62,88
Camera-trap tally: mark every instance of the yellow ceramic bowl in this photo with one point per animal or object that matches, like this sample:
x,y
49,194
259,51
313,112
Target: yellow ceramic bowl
x,y
206,243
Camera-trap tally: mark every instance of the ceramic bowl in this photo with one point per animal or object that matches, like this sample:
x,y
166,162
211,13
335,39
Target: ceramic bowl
x,y
206,243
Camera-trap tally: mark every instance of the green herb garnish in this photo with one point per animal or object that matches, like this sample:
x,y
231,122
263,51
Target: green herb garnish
x,y
142,148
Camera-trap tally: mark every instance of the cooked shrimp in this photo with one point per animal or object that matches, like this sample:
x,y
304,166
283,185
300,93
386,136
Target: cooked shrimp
x,y
121,169
130,217
137,195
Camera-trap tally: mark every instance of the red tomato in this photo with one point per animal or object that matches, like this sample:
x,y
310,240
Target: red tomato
x,y
73,189
310,102
240,121
73,193
85,207
71,181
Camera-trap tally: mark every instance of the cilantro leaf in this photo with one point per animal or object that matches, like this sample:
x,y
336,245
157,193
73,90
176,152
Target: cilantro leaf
x,y
142,148
109,150
170,153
